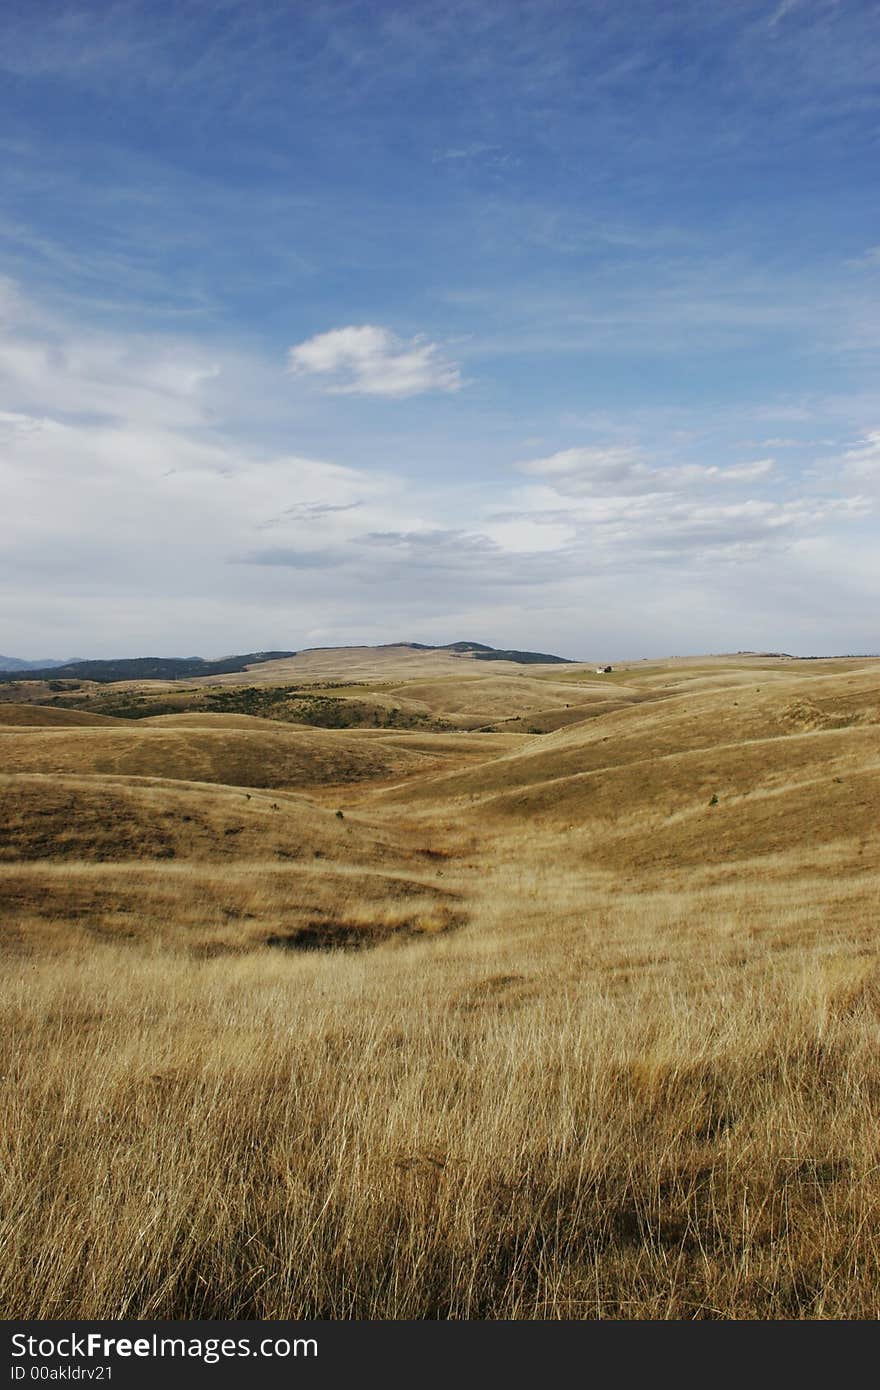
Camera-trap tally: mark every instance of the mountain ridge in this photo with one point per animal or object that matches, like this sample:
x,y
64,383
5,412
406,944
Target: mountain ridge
x,y
143,668
48,663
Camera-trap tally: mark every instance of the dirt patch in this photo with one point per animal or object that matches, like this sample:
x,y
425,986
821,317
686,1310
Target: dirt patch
x,y
341,935
336,936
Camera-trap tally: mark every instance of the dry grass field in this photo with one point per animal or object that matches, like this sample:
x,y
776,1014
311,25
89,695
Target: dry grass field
x,y
452,1021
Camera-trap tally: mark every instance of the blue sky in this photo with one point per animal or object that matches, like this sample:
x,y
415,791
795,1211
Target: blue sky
x,y
542,324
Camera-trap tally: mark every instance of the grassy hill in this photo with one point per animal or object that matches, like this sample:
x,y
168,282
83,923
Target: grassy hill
x,y
172,668
42,717
270,756
480,652
459,1021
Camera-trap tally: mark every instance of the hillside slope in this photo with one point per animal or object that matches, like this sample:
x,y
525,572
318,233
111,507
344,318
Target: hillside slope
x,y
408,1023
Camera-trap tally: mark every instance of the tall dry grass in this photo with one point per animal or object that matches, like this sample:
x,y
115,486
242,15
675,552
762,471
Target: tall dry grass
x,y
586,1103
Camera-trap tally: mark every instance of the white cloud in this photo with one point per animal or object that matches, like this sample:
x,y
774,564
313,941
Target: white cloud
x,y
631,513
619,470
741,472
863,461
530,535
138,515
613,461
47,368
368,360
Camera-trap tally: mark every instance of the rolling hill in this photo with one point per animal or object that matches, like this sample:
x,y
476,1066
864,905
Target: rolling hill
x,y
172,668
566,1008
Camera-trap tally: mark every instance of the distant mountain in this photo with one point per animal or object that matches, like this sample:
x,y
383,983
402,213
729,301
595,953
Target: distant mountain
x,y
15,663
175,668
140,668
480,652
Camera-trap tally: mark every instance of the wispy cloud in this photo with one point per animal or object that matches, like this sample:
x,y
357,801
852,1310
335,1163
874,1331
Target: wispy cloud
x,y
367,360
622,470
784,8
465,152
868,260
672,320
862,461
478,156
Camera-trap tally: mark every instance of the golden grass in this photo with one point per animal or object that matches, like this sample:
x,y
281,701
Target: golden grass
x,y
623,1064
650,1114
123,818
269,756
41,716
